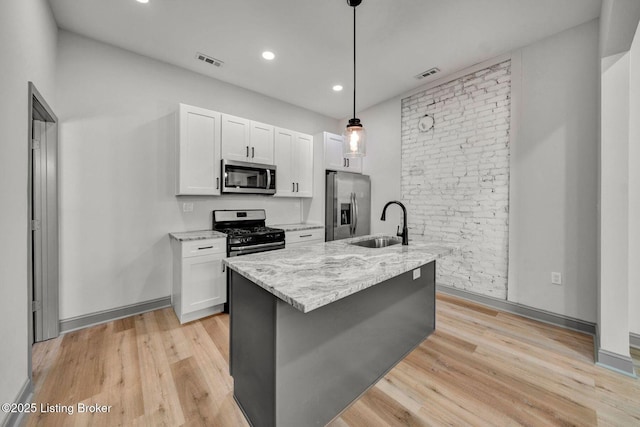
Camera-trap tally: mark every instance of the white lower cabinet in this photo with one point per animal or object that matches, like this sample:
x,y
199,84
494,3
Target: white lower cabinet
x,y
303,237
199,280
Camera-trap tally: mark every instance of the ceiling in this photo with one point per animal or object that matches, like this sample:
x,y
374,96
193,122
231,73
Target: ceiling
x,y
312,40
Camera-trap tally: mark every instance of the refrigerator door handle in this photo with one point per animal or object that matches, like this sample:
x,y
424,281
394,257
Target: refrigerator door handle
x,y
352,227
351,214
355,211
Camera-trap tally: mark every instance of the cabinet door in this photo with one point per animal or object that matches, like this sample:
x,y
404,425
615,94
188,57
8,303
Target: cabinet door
x,y
303,165
198,170
261,143
303,237
236,133
284,145
354,164
333,159
203,282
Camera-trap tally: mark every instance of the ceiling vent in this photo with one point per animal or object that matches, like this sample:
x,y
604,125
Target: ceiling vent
x,y
429,72
209,60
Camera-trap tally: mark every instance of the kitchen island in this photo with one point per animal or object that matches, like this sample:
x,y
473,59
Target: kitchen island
x,y
313,328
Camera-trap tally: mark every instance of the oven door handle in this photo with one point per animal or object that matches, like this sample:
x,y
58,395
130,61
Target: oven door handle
x,y
259,246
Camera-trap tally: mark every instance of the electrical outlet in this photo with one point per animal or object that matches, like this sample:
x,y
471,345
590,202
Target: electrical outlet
x,y
416,274
556,278
187,207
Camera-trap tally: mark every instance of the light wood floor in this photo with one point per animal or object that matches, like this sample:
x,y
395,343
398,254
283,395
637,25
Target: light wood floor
x,y
480,368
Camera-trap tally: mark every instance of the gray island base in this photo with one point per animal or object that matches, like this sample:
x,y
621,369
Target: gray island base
x,y
295,369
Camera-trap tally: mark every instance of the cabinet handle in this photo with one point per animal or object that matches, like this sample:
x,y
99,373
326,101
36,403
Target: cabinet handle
x,y
247,151
224,268
293,187
253,152
348,163
297,187
344,162
306,235
217,183
205,247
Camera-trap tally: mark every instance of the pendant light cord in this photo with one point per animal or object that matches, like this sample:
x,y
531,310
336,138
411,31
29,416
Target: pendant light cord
x,y
354,61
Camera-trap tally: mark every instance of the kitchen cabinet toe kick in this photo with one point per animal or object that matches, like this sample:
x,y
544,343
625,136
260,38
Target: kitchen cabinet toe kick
x,y
303,369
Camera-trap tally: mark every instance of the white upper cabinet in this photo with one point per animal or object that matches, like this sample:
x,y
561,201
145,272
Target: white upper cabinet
x,y
294,162
198,151
246,141
333,158
236,132
303,158
262,143
285,183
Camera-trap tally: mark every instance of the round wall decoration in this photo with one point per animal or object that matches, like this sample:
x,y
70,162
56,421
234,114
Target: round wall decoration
x,y
426,123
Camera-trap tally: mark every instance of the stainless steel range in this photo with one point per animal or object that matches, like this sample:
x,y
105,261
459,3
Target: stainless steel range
x,y
246,231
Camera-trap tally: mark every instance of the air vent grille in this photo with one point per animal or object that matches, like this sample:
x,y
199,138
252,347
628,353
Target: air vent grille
x,y
209,60
429,72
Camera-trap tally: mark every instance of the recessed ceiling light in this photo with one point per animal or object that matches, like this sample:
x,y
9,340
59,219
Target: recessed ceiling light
x,y
337,88
268,55
143,1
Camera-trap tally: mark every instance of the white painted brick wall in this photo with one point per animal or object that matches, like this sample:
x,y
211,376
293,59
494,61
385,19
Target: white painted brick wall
x,y
455,177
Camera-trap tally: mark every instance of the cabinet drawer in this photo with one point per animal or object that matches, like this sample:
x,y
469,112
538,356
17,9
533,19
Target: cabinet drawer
x,y
204,247
301,236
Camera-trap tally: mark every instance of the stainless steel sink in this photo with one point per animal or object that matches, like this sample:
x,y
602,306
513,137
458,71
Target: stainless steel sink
x,y
378,242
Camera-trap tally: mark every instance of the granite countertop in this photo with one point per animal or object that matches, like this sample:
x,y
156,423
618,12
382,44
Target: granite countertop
x,y
298,226
184,236
324,273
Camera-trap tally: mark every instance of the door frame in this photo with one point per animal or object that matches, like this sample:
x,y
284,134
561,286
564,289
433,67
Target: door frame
x,y
39,109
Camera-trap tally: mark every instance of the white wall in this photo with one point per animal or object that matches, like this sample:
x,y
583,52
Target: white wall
x,y
634,186
614,257
383,162
553,218
117,173
553,195
27,51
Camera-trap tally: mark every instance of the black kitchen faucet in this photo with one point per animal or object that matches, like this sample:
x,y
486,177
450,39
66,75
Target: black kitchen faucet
x,y
405,230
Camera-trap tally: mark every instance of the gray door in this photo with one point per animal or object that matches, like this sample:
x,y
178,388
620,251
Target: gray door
x,y
44,220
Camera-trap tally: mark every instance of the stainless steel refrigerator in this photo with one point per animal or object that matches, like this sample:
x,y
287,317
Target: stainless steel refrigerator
x,y
347,205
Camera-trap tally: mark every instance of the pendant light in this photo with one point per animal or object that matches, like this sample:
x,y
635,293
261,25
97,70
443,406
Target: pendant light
x,y
354,143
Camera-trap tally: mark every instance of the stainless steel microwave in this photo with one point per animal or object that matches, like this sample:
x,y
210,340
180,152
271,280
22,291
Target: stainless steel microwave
x,y
248,178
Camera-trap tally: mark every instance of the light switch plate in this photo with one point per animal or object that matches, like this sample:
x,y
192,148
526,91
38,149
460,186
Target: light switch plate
x,y
187,207
556,278
416,274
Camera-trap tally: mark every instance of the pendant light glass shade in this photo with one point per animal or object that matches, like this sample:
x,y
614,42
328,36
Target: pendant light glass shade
x,y
354,142
354,137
